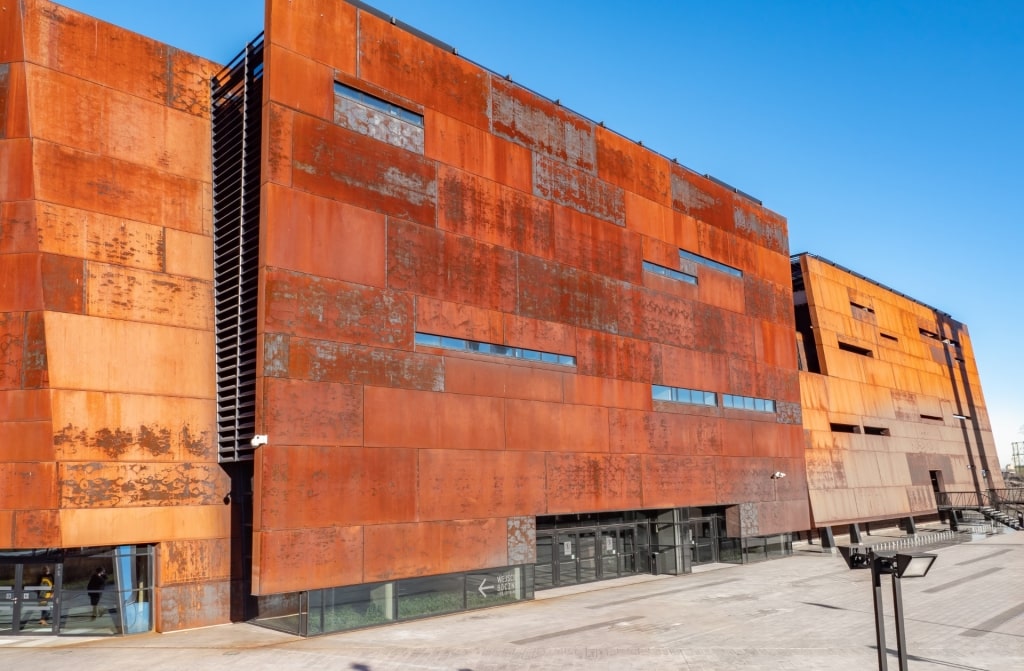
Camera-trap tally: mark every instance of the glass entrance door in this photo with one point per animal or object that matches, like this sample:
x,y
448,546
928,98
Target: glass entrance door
x,y
567,549
627,551
703,534
27,599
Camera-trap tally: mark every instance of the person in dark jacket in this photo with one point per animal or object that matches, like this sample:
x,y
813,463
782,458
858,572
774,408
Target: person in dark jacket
x,y
95,588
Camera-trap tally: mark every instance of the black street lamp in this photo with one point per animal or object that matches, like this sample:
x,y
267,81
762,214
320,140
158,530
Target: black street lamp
x,y
899,566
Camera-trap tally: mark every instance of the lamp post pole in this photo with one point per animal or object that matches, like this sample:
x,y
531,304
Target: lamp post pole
x,y
876,584
901,634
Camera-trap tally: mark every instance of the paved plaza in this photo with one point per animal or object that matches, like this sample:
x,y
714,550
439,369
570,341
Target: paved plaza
x,y
805,612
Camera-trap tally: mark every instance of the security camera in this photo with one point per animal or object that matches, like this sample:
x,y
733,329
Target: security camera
x,y
258,439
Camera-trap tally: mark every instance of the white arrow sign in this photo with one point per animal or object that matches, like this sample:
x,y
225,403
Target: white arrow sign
x,y
482,588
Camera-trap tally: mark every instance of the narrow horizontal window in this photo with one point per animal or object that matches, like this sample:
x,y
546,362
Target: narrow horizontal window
x,y
928,334
844,428
847,347
961,416
668,272
476,347
378,104
876,431
683,395
704,261
935,417
863,308
889,337
748,403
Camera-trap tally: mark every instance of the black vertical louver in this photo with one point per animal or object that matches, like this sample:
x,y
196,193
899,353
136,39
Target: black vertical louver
x,y
237,97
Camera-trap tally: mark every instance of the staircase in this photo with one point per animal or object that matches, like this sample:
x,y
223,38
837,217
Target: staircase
x,y
1001,517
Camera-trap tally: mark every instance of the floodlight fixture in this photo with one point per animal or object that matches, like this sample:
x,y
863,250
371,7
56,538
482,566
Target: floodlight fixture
x,y
914,565
855,556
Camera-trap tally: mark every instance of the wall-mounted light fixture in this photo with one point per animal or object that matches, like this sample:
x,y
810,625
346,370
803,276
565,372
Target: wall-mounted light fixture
x,y
901,565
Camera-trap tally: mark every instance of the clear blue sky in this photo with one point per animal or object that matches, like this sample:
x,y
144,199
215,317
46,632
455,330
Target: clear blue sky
x,y
889,133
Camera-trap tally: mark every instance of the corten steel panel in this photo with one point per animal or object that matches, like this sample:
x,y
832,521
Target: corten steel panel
x,y
743,377
7,528
667,285
125,484
332,414
187,561
119,188
578,190
725,247
98,237
775,346
493,213
429,548
760,226
288,560
188,254
458,320
322,237
143,296
657,221
443,265
28,485
675,321
701,198
12,356
540,335
37,529
18,233
317,307
13,102
16,181
298,82
613,356
194,605
82,350
607,393
276,155
666,433
542,126
26,441
471,375
97,426
401,418
690,368
551,291
627,164
555,427
79,45
672,481
11,28
723,332
316,486
459,484
326,361
80,114
83,527
415,69
20,282
459,145
593,482
35,365
324,30
333,162
591,244
471,422
746,478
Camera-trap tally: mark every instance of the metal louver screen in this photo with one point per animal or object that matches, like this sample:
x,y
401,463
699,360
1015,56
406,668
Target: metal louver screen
x,y
237,94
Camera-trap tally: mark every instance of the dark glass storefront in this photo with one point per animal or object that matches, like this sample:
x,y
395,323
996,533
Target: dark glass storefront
x,y
102,591
571,550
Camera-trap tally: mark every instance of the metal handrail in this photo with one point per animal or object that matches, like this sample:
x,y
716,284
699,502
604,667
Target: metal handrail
x,y
992,498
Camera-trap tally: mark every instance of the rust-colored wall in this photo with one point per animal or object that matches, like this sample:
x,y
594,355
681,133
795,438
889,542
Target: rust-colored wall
x,y
106,377
909,384
514,221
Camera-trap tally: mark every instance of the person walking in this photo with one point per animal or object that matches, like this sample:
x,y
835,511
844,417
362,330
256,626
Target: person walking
x,y
45,594
95,588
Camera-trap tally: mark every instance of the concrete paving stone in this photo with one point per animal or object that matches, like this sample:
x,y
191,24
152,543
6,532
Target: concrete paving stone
x,y
805,612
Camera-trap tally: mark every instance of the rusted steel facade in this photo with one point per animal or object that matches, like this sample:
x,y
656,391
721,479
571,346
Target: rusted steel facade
x,y
106,340
892,402
492,215
476,308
